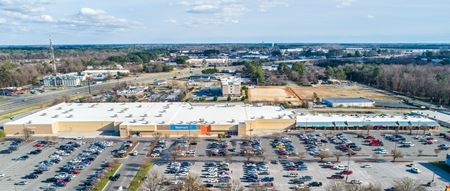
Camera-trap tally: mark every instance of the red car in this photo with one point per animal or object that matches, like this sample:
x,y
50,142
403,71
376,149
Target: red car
x,y
347,172
343,147
291,168
75,172
429,142
268,184
38,145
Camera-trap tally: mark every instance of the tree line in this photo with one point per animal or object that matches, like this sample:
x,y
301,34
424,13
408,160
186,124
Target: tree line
x,y
429,82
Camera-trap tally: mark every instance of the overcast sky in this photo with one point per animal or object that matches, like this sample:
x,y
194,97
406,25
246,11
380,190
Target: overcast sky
x,y
203,21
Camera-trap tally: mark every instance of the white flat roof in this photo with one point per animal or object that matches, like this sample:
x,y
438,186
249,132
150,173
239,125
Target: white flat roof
x,y
361,120
153,113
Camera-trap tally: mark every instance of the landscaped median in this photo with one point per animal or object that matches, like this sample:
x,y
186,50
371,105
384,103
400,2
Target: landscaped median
x,y
140,176
104,180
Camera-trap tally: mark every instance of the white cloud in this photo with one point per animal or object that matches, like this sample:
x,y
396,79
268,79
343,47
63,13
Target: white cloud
x,y
370,16
266,5
344,3
217,12
95,19
173,21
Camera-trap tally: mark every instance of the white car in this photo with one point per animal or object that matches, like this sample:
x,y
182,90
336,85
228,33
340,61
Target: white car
x,y
415,170
213,180
134,153
338,167
380,152
2,175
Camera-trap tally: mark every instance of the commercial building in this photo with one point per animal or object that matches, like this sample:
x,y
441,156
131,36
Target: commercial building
x,y
101,75
348,102
64,80
146,119
231,86
441,116
364,121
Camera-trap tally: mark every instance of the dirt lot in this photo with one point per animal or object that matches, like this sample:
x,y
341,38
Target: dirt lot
x,y
272,94
326,91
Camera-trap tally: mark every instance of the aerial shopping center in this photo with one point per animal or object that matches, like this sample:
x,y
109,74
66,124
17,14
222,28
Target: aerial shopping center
x,y
176,118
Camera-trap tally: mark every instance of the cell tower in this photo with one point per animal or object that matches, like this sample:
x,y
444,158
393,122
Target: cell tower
x,y
52,57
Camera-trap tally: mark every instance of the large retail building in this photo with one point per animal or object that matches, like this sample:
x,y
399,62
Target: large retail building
x,y
145,119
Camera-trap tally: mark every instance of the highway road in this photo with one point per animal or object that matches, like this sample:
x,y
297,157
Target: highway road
x,y
20,102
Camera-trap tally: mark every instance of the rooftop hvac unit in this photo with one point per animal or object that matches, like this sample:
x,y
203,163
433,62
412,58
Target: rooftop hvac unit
x,y
111,109
142,119
121,111
144,115
122,103
91,106
125,109
115,115
139,106
58,108
43,114
145,122
162,122
131,115
55,116
159,115
201,119
163,111
213,122
181,122
29,122
69,116
233,120
133,121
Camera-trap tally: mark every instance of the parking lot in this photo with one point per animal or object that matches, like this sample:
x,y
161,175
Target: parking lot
x,y
281,161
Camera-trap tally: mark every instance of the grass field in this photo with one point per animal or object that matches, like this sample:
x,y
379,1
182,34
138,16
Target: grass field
x,y
102,182
139,178
327,91
272,94
21,111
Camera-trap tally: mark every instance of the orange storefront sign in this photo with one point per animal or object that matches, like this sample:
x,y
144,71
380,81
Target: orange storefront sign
x,y
205,129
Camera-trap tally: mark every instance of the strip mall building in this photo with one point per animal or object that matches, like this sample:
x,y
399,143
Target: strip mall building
x,y
146,119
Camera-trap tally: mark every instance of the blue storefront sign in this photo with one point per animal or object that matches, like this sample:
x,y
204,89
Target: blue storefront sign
x,y
183,127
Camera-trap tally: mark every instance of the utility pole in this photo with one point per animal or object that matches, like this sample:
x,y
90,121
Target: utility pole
x,y
53,61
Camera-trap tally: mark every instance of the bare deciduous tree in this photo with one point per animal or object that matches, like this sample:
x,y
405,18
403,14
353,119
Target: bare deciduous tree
x,y
407,184
396,154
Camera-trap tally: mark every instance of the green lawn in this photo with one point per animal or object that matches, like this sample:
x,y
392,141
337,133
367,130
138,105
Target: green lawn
x,y
139,177
101,184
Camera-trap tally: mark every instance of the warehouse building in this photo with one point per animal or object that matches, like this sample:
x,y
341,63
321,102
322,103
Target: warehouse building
x,y
144,119
177,119
348,102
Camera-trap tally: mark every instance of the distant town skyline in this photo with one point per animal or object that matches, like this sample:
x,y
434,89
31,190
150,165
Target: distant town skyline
x,y
29,22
